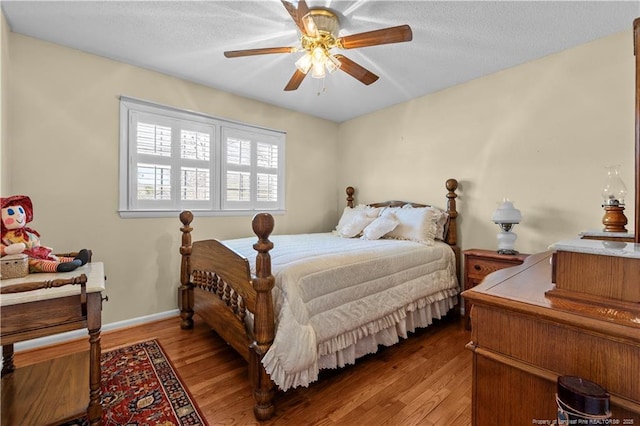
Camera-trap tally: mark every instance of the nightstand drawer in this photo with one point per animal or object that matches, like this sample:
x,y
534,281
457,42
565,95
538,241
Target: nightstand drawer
x,y
480,268
480,263
472,282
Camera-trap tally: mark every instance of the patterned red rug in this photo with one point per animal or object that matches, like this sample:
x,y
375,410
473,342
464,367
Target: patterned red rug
x,y
141,387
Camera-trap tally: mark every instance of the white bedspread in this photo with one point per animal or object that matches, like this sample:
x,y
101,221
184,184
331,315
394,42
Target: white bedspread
x,y
337,298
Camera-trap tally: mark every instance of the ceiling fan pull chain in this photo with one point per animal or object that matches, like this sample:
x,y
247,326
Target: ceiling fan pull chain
x,y
322,89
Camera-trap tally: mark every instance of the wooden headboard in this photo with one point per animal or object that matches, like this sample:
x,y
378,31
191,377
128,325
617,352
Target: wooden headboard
x,y
451,236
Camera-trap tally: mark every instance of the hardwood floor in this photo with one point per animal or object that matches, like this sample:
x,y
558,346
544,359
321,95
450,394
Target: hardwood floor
x,y
424,380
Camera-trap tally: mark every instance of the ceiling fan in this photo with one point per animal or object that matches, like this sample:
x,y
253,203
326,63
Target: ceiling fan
x,y
319,30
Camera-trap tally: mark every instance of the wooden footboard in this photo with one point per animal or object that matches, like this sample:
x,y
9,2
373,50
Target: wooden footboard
x,y
217,283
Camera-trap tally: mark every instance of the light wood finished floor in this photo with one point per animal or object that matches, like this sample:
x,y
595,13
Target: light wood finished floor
x,y
424,380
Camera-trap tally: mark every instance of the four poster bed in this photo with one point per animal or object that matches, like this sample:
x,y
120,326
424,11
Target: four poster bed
x,y
387,269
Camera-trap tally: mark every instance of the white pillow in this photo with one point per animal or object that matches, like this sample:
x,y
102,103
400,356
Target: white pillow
x,y
419,224
356,225
380,227
442,223
349,213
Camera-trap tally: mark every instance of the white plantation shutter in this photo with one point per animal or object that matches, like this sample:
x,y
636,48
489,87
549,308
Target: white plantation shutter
x,y
267,187
154,182
238,152
173,160
267,174
251,172
170,163
196,167
153,139
151,162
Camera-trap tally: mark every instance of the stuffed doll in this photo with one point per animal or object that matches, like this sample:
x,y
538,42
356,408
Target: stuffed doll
x,y
17,237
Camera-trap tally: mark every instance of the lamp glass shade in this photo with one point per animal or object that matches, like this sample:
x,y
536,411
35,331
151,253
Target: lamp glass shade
x,y
304,63
318,54
506,213
332,64
317,70
614,189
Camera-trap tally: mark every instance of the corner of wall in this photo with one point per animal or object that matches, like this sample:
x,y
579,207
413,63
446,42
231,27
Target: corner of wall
x,y
4,102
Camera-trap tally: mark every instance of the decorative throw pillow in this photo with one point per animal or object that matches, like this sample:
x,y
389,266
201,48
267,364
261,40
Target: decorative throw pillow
x,y
348,215
356,225
417,224
380,227
442,223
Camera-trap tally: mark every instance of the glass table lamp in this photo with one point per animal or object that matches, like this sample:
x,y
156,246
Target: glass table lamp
x,y
613,193
506,217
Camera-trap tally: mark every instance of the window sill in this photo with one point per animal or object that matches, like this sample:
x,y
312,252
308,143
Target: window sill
x,y
149,214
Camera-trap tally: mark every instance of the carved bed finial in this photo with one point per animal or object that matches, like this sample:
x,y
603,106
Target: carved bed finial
x,y
350,191
262,225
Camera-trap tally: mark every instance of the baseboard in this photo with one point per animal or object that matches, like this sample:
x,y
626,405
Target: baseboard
x,y
79,334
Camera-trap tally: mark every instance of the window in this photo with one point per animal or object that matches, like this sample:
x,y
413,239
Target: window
x,y
173,160
250,170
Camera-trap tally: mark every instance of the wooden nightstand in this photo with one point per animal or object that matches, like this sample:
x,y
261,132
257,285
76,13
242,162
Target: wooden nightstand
x,y
480,263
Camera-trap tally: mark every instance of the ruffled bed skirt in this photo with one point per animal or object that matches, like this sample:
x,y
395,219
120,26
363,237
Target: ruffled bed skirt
x,y
387,331
367,343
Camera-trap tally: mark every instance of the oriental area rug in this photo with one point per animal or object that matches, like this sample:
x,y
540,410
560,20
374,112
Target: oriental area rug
x,y
141,387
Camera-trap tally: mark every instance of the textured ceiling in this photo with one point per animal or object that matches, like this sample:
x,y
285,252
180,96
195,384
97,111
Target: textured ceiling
x,y
453,42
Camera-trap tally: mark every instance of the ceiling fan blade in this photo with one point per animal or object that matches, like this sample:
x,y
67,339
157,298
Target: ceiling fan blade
x,y
295,81
305,25
373,38
356,71
263,51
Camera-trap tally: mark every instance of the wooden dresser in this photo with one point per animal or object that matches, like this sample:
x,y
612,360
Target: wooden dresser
x,y
523,340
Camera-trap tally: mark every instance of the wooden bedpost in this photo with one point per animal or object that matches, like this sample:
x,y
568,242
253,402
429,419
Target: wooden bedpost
x,y
452,232
264,323
350,192
186,288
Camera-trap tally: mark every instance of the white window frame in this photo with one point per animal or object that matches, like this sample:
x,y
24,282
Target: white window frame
x,y
132,109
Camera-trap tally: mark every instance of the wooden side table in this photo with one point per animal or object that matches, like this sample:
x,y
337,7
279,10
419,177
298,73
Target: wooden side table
x,y
55,390
480,263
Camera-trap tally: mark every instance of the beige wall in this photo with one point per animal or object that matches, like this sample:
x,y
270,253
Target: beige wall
x,y
540,133
4,99
64,154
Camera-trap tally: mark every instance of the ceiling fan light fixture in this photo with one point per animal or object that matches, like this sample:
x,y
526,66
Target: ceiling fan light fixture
x,y
304,63
319,55
332,64
317,70
319,35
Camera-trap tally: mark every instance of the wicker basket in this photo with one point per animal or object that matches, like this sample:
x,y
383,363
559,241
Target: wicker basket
x,y
14,266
